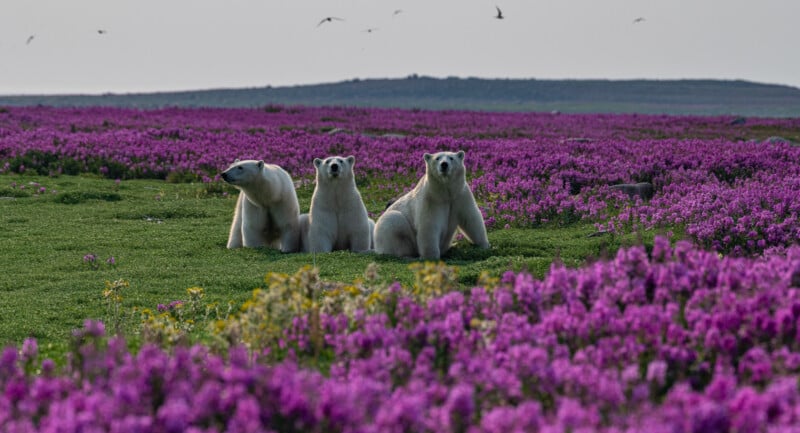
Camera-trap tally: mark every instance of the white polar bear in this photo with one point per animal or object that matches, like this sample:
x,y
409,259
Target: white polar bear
x,y
338,219
423,222
267,209
304,226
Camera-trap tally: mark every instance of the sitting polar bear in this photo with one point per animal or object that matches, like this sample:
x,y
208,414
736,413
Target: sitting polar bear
x,y
267,209
337,219
423,222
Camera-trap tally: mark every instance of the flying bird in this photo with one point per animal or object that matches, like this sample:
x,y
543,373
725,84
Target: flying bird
x,y
30,38
638,20
370,30
499,15
101,31
328,20
397,12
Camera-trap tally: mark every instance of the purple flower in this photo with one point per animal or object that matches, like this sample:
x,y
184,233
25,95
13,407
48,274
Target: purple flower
x,y
8,360
172,415
756,365
460,406
30,349
94,328
657,372
710,417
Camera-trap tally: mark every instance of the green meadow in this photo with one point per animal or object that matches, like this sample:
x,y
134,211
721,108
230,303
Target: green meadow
x,y
64,237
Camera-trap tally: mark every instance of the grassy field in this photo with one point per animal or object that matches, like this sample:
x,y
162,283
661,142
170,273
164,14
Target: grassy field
x,y
166,237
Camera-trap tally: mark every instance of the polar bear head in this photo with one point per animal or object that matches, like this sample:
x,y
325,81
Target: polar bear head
x,y
446,166
243,172
334,167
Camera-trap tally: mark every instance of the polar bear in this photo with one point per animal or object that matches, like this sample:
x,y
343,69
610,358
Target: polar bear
x,y
338,219
423,222
303,223
267,209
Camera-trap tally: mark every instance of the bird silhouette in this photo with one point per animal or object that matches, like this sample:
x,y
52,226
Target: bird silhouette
x,y
101,31
30,38
638,20
370,30
499,15
329,20
397,12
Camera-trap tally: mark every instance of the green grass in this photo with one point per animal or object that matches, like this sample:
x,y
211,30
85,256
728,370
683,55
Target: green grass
x,y
167,237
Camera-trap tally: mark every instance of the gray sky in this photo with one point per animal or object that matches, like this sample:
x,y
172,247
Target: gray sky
x,y
156,45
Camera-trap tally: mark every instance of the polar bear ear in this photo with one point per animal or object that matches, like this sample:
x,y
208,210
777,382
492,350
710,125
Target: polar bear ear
x,y
236,161
428,157
261,164
460,155
317,162
351,160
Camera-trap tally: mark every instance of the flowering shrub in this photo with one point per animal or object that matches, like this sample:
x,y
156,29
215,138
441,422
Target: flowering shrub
x,y
269,319
112,297
173,324
675,339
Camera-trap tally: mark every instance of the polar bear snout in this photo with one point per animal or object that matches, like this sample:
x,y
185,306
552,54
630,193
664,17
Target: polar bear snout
x,y
228,177
334,167
444,168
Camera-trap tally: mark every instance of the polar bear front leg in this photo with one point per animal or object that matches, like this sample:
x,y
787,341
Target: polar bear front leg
x,y
361,237
284,221
321,236
432,227
428,238
291,238
303,228
471,224
254,224
235,234
371,233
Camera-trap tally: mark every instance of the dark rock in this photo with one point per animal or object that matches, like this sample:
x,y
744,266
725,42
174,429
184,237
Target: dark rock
x,y
778,140
644,190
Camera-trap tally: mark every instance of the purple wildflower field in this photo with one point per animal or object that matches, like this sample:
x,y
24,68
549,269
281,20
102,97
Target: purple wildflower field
x,y
728,190
699,336
682,341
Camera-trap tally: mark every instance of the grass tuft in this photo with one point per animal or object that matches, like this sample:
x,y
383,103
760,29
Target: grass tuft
x,y
76,197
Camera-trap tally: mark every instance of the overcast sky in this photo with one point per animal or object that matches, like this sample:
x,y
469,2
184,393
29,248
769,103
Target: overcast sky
x,y
157,45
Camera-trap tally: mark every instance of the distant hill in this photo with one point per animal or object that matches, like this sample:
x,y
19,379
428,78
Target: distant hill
x,y
706,97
